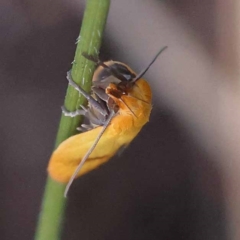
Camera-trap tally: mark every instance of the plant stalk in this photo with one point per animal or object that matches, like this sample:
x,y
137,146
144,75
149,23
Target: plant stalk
x,y
89,41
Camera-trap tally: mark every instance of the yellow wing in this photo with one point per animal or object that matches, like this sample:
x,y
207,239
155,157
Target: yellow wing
x,y
69,154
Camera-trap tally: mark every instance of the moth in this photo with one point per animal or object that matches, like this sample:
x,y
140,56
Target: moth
x,y
118,107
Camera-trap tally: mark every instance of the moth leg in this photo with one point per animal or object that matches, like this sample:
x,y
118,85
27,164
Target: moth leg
x,y
100,93
90,99
84,128
74,113
121,150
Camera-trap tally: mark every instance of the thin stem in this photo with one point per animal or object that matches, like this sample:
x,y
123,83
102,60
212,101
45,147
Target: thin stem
x,y
89,41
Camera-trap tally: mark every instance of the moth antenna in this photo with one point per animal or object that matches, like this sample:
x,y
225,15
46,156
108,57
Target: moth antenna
x,y
128,107
95,60
138,99
149,65
112,113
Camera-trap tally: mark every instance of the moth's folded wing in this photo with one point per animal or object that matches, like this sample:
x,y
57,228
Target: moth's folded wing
x,y
69,154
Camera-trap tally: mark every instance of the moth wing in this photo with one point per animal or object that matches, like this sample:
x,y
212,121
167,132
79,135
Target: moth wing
x,y
69,154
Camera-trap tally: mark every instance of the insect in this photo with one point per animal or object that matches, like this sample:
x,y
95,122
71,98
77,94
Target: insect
x,y
119,106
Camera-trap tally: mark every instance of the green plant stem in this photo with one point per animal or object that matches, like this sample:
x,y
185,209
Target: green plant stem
x,y
89,41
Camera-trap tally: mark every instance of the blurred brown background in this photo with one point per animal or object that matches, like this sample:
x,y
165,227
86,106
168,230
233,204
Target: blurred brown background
x,y
179,179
